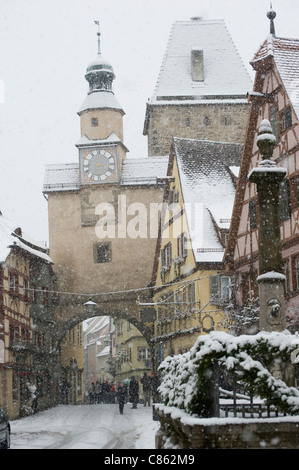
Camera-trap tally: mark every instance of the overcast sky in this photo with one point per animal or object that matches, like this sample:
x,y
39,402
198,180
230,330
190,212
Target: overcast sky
x,y
45,47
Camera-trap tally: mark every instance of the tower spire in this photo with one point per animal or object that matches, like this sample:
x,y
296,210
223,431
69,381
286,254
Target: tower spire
x,y
99,37
271,15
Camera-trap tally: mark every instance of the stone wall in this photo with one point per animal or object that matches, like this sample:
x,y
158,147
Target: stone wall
x,y
215,122
180,431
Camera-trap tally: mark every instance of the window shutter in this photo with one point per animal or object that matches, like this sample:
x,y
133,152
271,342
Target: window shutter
x,y
214,289
185,248
163,257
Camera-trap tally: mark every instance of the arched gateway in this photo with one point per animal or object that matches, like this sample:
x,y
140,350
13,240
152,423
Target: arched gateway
x,y
123,306
103,213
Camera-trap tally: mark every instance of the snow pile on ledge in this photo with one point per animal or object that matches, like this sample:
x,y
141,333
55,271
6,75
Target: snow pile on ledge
x,y
187,377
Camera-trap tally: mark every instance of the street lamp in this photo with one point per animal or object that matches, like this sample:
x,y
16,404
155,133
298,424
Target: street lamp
x,y
90,307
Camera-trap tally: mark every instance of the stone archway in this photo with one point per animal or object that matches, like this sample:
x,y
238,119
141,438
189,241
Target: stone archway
x,y
71,311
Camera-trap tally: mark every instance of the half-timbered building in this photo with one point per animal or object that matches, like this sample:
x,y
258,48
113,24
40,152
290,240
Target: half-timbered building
x,y
275,97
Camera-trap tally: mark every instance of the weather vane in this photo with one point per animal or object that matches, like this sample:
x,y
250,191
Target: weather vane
x,y
99,35
271,15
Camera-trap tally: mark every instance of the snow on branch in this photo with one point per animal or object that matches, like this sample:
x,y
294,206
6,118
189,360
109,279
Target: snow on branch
x,y
187,378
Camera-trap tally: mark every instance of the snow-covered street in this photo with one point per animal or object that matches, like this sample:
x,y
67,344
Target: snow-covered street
x,y
86,427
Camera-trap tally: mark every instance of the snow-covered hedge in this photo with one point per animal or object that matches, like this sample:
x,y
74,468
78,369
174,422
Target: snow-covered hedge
x,y
187,378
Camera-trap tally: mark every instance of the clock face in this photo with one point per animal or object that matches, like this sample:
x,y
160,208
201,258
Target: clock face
x,y
98,165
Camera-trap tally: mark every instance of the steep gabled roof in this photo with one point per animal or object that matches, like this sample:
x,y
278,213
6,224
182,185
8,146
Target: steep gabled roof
x,y
225,75
285,53
208,188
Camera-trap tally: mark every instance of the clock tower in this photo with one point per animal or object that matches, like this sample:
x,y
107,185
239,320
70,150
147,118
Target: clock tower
x,y
101,148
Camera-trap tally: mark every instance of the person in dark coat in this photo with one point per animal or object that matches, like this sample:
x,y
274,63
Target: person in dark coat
x,y
65,387
134,392
121,396
91,393
147,388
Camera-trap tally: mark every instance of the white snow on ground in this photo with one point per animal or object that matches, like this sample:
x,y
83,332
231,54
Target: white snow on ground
x,y
86,427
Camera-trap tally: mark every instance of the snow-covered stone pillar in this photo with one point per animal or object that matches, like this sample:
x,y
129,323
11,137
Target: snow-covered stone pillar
x,y
267,177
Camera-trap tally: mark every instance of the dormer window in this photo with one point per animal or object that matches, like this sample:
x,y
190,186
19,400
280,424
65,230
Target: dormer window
x,y
197,65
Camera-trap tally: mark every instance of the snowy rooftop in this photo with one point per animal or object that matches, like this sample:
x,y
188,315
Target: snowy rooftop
x,y
225,75
100,99
206,178
285,53
146,171
10,235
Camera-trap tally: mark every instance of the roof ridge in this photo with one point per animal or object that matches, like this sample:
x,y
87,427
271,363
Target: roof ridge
x,y
208,141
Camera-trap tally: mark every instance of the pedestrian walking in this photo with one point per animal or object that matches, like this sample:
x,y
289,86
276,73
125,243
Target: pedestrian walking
x,y
121,397
134,392
147,389
32,396
106,392
112,392
91,393
98,392
64,388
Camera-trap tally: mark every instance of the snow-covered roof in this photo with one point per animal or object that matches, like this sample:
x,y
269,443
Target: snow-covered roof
x,y
208,191
99,99
285,53
225,75
145,171
105,352
61,177
86,142
10,235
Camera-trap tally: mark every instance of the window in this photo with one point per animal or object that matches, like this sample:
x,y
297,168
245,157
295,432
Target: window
x,y
102,252
185,299
144,354
274,122
33,293
13,283
206,121
284,197
166,255
25,335
220,289
187,122
294,189
252,214
287,118
182,245
94,122
119,328
26,290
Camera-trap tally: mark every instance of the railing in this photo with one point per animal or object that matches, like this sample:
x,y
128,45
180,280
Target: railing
x,y
231,399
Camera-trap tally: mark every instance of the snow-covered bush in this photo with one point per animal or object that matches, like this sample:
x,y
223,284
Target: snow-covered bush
x,y
188,378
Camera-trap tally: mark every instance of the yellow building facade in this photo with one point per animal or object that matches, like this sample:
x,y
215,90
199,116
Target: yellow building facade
x,y
133,353
72,358
191,288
